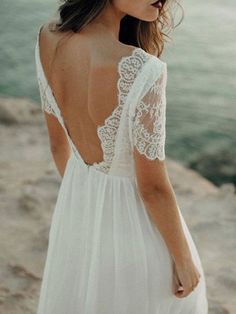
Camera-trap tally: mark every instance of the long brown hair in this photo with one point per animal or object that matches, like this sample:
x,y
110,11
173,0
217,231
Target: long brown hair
x,y
150,36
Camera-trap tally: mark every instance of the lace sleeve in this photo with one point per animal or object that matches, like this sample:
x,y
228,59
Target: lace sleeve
x,y
46,98
149,121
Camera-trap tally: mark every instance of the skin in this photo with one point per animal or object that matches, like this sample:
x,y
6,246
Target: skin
x,y
152,176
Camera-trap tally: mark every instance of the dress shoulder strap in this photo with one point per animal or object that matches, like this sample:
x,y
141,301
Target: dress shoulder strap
x,y
48,101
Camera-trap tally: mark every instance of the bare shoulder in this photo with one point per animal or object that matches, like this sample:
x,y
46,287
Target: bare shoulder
x,y
47,31
63,49
83,51
110,54
98,47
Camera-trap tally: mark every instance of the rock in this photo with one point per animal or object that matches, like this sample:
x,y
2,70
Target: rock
x,y
14,111
21,271
227,189
216,308
219,168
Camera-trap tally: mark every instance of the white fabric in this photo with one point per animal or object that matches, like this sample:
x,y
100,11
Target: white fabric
x,y
105,254
148,130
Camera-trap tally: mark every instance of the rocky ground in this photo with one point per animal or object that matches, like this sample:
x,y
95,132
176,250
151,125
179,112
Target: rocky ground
x,y
29,183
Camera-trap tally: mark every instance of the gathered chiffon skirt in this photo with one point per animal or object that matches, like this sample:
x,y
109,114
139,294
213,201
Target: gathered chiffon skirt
x,y
106,256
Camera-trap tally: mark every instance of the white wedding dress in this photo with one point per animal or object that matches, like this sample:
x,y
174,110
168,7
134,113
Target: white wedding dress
x,y
105,254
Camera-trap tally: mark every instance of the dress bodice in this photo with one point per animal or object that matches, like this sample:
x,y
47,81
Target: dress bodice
x,y
137,121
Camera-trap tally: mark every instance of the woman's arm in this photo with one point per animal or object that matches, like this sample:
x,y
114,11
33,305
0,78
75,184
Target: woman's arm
x,y
160,202
159,198
59,146
148,139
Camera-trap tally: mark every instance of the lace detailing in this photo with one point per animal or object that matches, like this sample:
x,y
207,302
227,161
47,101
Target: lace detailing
x,y
48,101
102,166
46,94
46,104
150,119
128,68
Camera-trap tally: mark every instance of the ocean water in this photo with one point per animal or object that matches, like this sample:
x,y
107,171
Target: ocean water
x,y
201,90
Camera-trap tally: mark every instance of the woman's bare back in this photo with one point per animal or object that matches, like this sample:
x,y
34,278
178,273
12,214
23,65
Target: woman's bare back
x,y
82,72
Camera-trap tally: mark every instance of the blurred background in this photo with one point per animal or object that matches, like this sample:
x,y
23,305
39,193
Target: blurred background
x,y
200,146
201,112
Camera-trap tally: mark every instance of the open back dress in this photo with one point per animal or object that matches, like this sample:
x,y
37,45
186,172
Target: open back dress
x,y
105,254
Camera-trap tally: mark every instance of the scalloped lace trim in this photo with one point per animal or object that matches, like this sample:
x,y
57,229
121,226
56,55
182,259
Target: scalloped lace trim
x,y
128,68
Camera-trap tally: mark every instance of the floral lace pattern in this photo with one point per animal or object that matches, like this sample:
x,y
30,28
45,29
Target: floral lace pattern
x,y
46,104
149,121
128,68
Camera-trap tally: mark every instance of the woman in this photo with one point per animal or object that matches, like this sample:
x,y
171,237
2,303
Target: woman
x,y
118,243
